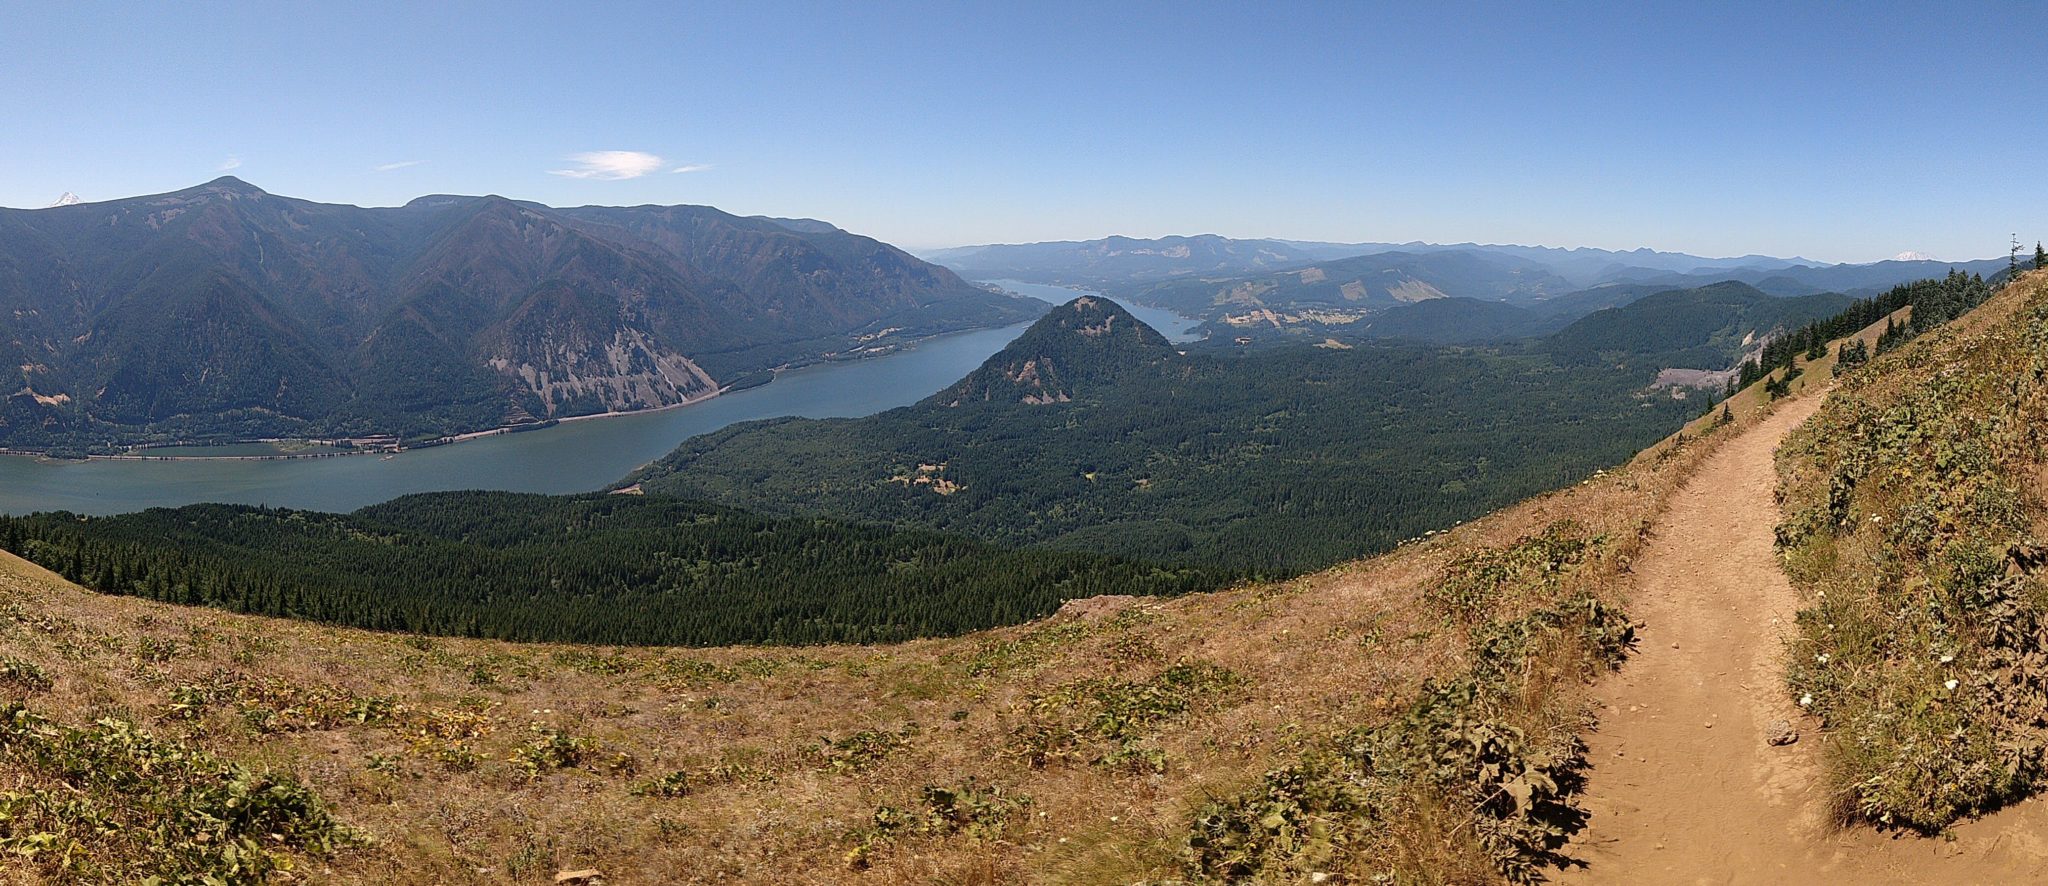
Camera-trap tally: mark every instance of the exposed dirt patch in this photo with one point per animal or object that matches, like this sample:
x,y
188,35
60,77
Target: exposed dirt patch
x,y
1687,787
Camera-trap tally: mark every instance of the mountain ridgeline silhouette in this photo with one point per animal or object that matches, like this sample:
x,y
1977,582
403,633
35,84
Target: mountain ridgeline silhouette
x,y
222,312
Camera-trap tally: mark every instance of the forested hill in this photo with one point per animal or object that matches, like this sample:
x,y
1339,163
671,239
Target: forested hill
x,y
223,312
1079,347
592,569
1271,460
1705,328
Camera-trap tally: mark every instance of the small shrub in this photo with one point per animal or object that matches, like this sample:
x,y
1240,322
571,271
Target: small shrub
x,y
864,750
1109,722
968,809
112,803
552,749
23,675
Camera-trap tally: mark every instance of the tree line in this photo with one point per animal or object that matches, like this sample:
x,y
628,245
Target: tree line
x,y
1934,302
594,569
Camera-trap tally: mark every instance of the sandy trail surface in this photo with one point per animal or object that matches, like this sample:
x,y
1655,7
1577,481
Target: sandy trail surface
x,y
1685,788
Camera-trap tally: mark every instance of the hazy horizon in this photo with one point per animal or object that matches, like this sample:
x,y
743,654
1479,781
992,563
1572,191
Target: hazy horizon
x,y
1838,135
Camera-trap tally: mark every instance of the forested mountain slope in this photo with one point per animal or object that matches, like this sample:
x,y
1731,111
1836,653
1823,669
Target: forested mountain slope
x,y
594,569
224,312
1272,460
1360,283
1711,327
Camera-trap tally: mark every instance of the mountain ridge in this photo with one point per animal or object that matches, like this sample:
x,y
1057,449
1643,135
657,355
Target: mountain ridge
x,y
1083,262
444,315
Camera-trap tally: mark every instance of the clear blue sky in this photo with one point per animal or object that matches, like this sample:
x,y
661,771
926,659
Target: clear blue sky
x,y
1784,128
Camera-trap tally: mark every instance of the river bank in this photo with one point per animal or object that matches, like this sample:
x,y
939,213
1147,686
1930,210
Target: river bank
x,y
567,457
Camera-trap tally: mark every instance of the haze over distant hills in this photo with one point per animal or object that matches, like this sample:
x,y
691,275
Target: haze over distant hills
x,y
222,311
1456,293
1116,262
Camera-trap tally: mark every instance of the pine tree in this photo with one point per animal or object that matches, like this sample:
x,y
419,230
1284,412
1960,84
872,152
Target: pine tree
x,y
2040,256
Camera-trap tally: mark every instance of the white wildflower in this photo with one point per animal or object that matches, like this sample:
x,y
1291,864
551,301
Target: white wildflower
x,y
1822,658
1951,684
1806,700
1947,658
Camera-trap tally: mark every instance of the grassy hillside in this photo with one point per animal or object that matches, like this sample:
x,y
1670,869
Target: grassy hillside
x,y
1412,717
1200,737
1915,509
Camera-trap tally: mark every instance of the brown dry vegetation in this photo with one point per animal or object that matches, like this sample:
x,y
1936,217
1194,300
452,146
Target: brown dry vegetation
x,y
1913,528
1078,749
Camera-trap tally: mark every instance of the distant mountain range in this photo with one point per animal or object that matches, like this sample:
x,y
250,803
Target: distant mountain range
x,y
222,311
1118,264
1455,294
1124,261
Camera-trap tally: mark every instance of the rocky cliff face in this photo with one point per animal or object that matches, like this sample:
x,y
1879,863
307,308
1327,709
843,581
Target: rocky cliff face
x,y
222,310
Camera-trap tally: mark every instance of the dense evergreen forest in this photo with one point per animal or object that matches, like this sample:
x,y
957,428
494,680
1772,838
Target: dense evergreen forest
x,y
1935,302
596,569
1705,328
1268,461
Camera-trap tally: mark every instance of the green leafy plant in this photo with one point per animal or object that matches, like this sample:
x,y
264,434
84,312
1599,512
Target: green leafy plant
x,y
969,809
110,803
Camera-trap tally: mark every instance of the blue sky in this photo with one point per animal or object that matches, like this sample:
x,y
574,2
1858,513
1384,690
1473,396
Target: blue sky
x,y
1780,128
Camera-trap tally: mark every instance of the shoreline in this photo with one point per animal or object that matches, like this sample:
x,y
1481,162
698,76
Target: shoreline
x,y
450,440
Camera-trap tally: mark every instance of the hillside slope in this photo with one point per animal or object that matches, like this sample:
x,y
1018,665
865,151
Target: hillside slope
x,y
224,312
1705,328
1415,717
1092,433
1119,741
1354,287
1688,780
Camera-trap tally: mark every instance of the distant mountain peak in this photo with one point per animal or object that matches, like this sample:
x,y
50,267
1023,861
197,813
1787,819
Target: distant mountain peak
x,y
69,199
1085,343
229,184
801,225
1910,255
436,201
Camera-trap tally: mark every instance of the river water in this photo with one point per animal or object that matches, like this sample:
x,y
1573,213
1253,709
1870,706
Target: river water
x,y
571,457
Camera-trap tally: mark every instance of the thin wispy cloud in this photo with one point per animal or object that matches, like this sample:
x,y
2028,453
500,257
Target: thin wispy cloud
x,y
692,167
387,167
610,165
231,163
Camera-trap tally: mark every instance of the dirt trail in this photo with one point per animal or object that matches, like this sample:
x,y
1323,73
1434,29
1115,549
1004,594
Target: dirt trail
x,y
1684,788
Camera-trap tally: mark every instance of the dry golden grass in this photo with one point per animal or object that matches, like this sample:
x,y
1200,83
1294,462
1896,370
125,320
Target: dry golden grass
x,y
431,773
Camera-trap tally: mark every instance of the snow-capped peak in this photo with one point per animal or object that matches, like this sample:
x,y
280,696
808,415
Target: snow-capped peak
x,y
69,199
1910,255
